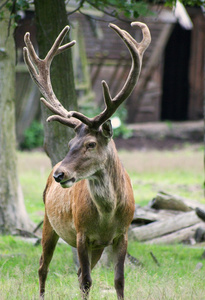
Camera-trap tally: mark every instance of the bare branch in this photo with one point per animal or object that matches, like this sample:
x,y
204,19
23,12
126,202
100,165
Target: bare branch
x,y
77,8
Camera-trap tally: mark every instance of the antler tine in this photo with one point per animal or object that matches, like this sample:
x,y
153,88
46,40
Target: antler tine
x,y
144,44
40,72
111,104
56,48
62,120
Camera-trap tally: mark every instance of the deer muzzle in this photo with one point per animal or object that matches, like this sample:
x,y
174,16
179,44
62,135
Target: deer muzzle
x,y
64,180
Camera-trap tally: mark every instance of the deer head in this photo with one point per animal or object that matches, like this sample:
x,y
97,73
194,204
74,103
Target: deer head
x,y
86,155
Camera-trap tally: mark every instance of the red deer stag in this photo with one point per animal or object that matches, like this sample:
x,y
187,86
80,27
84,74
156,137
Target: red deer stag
x,y
88,198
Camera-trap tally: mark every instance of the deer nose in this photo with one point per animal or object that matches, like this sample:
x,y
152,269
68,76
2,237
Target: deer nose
x,y
58,176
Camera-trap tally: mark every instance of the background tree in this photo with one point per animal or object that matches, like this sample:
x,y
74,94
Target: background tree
x,y
51,18
12,210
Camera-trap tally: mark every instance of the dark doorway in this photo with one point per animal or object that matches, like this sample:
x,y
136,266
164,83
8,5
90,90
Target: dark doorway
x,y
175,95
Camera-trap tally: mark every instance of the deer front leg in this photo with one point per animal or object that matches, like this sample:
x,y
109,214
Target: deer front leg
x,y
85,266
119,252
49,241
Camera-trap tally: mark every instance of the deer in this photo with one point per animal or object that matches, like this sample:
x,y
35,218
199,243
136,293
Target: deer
x,y
88,198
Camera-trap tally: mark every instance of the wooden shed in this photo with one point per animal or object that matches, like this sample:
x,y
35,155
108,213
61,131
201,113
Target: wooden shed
x,y
171,85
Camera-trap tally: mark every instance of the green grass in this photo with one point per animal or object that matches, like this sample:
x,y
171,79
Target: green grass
x,y
175,278
179,172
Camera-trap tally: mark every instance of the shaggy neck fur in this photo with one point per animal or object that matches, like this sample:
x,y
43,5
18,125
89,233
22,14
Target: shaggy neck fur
x,y
107,185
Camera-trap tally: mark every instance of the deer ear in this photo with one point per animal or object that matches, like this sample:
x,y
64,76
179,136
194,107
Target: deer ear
x,y
107,129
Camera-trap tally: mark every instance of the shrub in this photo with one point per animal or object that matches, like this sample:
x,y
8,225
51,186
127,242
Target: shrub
x,y
33,136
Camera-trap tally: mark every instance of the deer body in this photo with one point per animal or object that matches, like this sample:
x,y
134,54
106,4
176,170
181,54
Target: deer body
x,y
92,206
88,198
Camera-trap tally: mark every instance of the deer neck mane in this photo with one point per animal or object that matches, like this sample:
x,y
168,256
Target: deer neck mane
x,y
107,185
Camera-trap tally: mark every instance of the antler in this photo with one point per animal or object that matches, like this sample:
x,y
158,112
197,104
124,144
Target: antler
x,y
40,72
111,104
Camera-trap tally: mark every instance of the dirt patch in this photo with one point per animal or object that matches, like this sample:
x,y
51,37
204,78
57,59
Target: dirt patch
x,y
163,136
140,143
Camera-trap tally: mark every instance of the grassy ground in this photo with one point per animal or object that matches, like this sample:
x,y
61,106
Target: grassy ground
x,y
179,172
176,278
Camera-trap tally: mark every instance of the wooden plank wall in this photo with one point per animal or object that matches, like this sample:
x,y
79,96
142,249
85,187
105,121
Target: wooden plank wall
x,y
197,65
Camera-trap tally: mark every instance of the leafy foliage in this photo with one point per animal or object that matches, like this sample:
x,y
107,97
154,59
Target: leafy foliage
x,y
14,7
172,3
114,8
122,131
132,8
33,136
118,7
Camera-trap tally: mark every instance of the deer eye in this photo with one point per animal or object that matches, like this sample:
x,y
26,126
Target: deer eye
x,y
91,145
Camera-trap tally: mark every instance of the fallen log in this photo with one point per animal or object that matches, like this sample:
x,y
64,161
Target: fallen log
x,y
146,215
160,228
180,236
164,200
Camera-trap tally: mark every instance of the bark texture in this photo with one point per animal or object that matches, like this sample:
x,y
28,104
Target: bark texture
x,y
51,18
12,210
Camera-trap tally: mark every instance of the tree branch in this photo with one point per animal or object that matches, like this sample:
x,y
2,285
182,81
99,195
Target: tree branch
x,y
77,8
107,13
4,4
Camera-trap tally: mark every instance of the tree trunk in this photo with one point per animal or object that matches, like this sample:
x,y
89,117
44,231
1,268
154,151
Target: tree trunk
x,y
12,210
27,108
51,18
